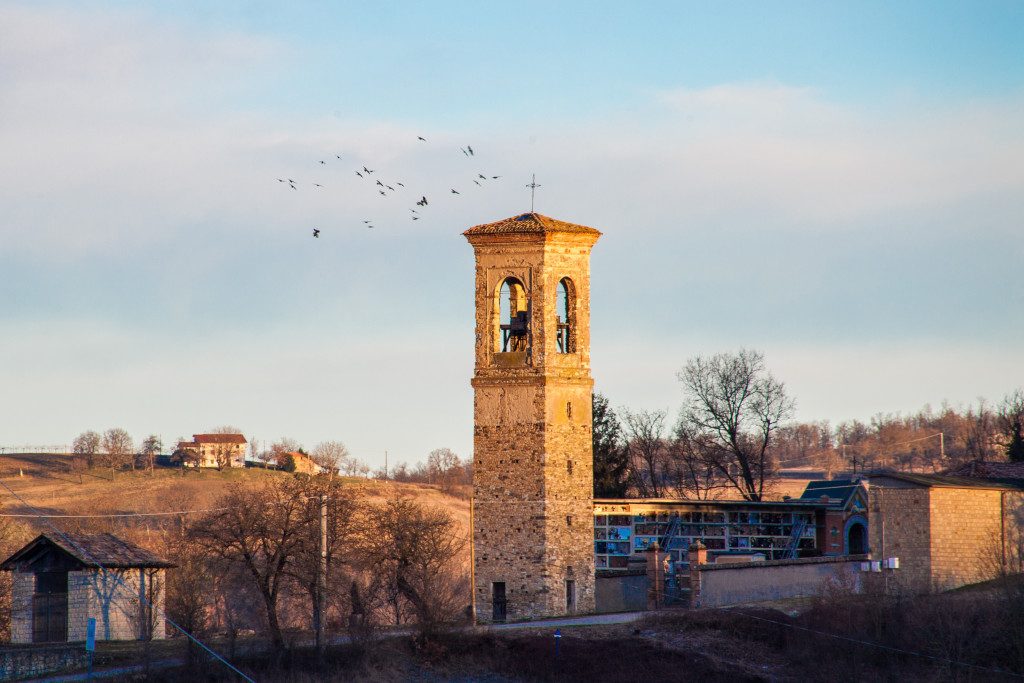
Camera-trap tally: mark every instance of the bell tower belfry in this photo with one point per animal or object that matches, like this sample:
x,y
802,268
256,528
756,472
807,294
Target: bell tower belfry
x,y
533,534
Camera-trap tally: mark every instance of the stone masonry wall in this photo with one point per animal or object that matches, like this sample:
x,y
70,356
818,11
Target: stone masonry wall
x,y
899,525
966,532
112,600
21,607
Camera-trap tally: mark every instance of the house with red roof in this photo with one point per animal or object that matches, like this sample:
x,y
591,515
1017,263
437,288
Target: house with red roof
x,y
214,450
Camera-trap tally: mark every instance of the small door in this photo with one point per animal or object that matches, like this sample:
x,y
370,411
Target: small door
x,y
499,605
570,596
50,608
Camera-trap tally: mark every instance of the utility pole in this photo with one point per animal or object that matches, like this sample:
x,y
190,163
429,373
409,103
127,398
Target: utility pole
x,y
472,561
322,578
385,465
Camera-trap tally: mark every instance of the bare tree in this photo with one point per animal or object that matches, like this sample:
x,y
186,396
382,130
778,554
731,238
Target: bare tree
x,y
330,455
226,429
413,551
444,468
733,409
648,452
261,531
341,504
87,445
151,447
692,476
118,448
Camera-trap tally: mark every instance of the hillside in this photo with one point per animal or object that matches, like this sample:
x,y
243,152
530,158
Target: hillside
x,y
46,483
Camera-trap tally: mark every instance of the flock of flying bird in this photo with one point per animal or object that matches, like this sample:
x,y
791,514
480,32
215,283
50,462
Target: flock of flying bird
x,y
386,189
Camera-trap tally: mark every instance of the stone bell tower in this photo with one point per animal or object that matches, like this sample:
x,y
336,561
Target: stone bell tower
x,y
533,535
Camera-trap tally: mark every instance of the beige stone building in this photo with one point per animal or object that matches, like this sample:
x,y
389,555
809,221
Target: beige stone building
x,y
60,581
216,450
532,453
944,531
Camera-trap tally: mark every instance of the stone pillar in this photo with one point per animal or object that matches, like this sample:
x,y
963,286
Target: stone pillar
x,y
656,577
697,555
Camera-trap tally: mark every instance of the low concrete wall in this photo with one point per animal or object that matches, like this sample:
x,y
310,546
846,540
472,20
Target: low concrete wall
x,y
621,592
731,584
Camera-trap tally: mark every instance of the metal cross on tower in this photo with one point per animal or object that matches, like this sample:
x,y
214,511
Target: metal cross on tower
x,y
533,189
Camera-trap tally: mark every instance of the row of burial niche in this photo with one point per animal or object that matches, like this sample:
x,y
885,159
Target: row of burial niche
x,y
514,312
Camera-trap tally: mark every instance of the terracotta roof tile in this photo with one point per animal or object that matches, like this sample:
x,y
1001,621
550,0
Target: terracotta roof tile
x,y
219,438
93,550
529,223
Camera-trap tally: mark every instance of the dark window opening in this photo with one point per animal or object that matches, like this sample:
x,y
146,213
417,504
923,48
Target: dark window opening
x,y
568,520
499,604
565,316
570,595
568,467
568,409
50,608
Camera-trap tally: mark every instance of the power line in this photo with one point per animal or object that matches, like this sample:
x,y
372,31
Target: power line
x,y
114,515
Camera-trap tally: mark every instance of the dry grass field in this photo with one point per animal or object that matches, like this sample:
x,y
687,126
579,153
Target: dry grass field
x,y
48,485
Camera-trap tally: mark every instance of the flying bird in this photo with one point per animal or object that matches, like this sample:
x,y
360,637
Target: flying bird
x,y
454,191
318,184
400,184
380,183
464,151
390,188
478,183
280,180
322,161
420,137
415,218
495,177
422,202
359,174
291,181
367,170
337,156
481,176
316,232
470,150
383,193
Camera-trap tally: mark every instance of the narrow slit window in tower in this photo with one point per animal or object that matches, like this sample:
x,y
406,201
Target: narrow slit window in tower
x,y
565,316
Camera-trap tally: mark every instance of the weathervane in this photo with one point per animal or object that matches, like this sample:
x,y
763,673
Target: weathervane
x,y
533,189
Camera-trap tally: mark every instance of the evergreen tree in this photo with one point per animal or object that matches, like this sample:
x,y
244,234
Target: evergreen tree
x,y
611,456
1015,451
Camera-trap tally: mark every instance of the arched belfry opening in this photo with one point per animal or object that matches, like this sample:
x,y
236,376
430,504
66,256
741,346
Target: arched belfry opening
x,y
565,316
511,315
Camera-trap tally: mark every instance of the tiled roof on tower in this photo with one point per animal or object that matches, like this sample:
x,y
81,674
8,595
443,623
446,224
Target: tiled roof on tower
x,y
529,223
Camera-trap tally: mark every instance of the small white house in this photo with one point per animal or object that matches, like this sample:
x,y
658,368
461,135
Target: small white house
x,y
61,580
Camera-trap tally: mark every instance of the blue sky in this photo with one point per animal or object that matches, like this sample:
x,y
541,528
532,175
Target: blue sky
x,y
838,185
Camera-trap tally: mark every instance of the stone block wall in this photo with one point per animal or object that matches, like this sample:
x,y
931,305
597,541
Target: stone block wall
x,y
944,537
965,536
899,525
22,586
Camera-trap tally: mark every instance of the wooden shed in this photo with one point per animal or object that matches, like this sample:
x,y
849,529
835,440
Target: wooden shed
x,y
62,580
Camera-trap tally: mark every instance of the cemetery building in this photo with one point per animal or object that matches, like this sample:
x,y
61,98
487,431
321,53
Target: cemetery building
x,y
60,581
